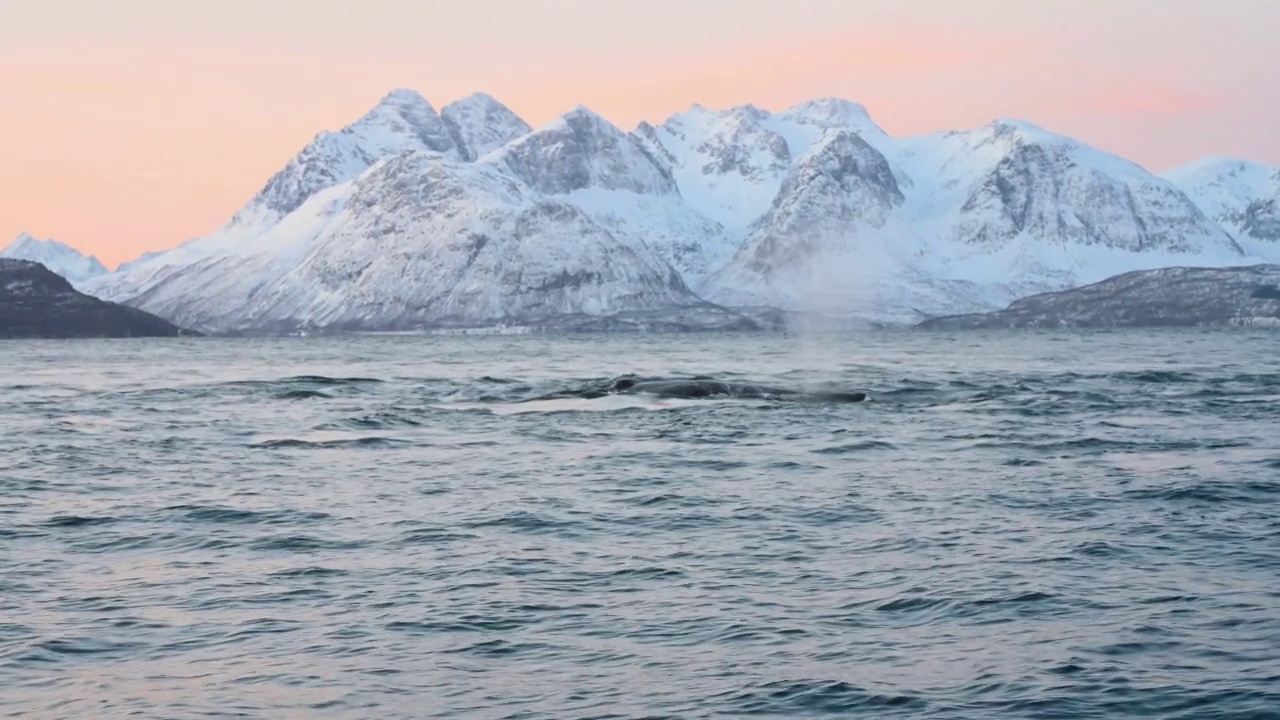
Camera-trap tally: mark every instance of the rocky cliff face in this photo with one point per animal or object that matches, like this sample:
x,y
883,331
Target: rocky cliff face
x,y
1168,297
35,302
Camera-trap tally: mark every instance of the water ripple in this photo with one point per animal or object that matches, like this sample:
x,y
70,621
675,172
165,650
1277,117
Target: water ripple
x,y
1014,525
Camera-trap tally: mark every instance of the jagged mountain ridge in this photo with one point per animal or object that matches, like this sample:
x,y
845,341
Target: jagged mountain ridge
x,y
813,208
58,257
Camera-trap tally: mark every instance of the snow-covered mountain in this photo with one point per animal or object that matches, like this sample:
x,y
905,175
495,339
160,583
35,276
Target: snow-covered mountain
x,y
426,238
58,257
409,217
1243,197
899,227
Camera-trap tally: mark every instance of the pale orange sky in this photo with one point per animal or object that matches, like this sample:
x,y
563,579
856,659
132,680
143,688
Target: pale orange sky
x,y
134,125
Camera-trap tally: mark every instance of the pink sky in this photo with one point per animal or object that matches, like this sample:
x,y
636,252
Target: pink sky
x,y
134,125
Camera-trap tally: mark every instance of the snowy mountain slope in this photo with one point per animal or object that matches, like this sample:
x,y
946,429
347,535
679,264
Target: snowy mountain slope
x,y
467,216
1062,192
727,165
612,176
841,190
1243,197
830,241
418,240
730,164
144,257
689,241
1004,208
58,257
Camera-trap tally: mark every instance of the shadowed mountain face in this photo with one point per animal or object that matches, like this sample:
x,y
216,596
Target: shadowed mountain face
x,y
38,303
1170,297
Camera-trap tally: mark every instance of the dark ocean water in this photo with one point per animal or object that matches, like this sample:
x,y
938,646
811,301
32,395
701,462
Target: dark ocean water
x,y
1032,525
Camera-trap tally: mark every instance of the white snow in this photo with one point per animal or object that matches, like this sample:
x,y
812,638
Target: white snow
x,y
469,215
1226,190
57,257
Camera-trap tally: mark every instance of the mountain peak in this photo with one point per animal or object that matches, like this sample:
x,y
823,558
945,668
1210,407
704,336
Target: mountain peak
x,y
582,112
583,119
404,112
402,120
480,124
478,103
27,240
56,256
749,110
477,98
1003,127
23,238
834,111
404,98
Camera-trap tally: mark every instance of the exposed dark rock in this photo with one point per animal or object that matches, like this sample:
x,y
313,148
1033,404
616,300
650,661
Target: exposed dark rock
x,y
35,302
1169,297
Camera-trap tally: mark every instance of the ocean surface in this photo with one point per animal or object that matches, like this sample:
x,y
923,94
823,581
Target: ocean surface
x,y
1014,525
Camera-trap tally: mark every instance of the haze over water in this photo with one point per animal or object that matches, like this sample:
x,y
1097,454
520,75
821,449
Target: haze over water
x,y
1061,525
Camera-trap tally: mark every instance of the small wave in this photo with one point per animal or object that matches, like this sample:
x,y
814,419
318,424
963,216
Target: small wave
x,y
309,572
1155,376
229,515
301,543
1204,492
303,395
499,648
788,698
521,521
1027,597
865,446
380,421
1022,463
645,573
77,521
299,444
84,646
434,536
325,380
912,604
1100,549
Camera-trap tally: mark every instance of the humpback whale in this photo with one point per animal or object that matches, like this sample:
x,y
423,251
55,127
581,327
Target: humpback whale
x,y
704,388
